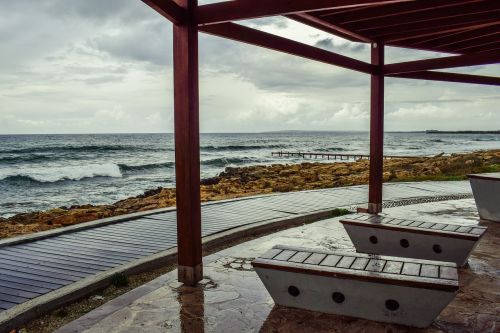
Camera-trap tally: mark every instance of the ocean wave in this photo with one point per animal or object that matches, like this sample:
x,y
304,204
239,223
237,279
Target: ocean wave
x,y
225,161
239,147
126,167
331,149
58,174
86,148
24,158
485,139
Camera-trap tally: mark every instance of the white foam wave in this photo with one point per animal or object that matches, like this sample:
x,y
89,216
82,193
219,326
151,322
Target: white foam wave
x,y
58,173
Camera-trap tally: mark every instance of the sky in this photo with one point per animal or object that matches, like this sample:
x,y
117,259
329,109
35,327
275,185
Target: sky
x,y
93,66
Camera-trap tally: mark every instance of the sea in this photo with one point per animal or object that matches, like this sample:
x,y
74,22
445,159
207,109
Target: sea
x,y
38,172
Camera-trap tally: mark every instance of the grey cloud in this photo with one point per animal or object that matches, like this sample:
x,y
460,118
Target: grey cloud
x,y
325,42
63,59
349,47
149,42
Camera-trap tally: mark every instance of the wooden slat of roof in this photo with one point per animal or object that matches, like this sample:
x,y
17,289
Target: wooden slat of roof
x,y
459,27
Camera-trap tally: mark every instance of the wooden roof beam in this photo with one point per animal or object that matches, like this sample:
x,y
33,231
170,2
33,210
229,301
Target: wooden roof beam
x,y
168,9
320,24
364,14
411,27
457,37
476,43
432,32
483,58
227,11
455,13
450,77
259,38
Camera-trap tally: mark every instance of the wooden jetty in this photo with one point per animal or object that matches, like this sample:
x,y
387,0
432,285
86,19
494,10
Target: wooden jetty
x,y
332,156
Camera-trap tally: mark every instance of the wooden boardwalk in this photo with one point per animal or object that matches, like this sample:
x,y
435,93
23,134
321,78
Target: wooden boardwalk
x,y
35,268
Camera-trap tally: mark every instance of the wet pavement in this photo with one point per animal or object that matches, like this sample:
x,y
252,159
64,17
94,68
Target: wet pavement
x,y
231,298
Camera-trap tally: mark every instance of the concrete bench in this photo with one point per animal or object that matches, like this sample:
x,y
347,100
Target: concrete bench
x,y
486,190
412,239
381,288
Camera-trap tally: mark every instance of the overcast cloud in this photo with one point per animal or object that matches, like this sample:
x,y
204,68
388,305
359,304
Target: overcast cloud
x,y
87,66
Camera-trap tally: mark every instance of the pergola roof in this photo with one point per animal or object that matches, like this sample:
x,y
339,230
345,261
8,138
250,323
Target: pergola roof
x,y
469,30
459,27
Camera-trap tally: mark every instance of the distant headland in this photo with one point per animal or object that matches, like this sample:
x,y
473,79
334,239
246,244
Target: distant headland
x,y
461,132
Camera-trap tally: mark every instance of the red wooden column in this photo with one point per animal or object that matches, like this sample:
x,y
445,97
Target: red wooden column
x,y
187,147
376,130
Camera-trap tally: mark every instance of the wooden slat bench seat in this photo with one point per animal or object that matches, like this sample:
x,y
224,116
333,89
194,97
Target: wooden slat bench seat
x,y
412,239
382,288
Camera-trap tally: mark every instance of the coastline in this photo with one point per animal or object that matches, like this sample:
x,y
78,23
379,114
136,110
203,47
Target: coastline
x,y
255,180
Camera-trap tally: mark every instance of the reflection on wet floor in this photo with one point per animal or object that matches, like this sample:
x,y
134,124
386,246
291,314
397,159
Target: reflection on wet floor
x,y
232,298
192,311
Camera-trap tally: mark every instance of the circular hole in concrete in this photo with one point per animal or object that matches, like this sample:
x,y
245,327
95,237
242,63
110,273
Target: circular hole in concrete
x,y
404,243
294,291
373,239
437,248
391,305
338,297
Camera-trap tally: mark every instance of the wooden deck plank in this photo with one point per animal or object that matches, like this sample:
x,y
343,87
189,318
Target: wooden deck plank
x,y
141,236
300,257
430,271
271,253
69,256
6,305
393,267
148,235
345,262
83,251
130,239
43,270
359,263
60,258
284,255
30,281
451,227
117,241
331,260
14,260
448,273
101,244
39,276
411,269
24,287
84,246
375,265
315,259
12,299
17,292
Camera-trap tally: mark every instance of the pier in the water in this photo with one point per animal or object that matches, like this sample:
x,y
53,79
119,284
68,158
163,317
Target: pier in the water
x,y
331,156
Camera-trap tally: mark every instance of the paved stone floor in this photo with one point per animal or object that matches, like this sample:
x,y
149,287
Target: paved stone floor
x,y
232,298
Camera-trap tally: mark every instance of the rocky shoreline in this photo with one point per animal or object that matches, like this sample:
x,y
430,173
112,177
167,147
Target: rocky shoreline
x,y
253,180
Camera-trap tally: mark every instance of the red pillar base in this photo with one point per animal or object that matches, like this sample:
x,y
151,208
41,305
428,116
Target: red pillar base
x,y
190,276
374,208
